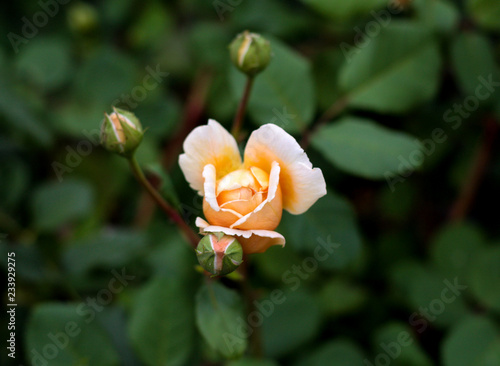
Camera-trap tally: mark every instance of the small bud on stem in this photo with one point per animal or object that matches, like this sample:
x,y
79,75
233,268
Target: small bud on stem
x,y
219,254
250,53
121,132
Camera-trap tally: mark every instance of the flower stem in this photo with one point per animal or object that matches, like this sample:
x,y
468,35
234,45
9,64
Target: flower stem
x,y
238,118
333,111
478,169
255,338
171,213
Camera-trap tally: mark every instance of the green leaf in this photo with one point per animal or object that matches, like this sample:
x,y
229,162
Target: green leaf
x,y
221,101
151,25
29,261
485,12
475,341
166,186
363,148
398,204
281,19
338,352
77,119
252,362
205,37
114,321
393,247
399,343
45,62
161,326
276,262
430,296
282,94
326,73
219,316
116,11
110,249
61,334
55,204
106,78
339,297
14,183
484,277
328,231
289,324
159,116
344,10
403,275
170,255
454,247
18,114
394,71
472,57
439,15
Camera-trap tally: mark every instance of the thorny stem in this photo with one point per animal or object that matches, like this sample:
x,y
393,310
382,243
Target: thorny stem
x,y
238,118
171,213
479,165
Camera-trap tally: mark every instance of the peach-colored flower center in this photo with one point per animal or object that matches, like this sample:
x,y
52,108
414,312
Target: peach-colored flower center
x,y
242,196
243,190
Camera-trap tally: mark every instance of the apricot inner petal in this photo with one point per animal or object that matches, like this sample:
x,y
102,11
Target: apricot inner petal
x,y
267,214
237,179
245,206
234,195
261,176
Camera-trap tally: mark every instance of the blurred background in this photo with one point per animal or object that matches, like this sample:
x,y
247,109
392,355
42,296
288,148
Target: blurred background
x,y
396,102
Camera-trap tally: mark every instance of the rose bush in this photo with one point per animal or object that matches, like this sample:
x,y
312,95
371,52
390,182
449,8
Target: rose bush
x,y
246,198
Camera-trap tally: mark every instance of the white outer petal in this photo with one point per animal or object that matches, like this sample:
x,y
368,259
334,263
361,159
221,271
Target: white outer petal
x,y
207,228
209,186
207,144
301,184
272,237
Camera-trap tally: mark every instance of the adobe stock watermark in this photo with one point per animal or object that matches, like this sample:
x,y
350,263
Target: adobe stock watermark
x,y
74,155
152,79
454,117
420,319
372,29
293,278
223,6
61,338
30,28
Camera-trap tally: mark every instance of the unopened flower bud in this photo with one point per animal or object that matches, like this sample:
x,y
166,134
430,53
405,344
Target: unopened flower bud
x,y
82,17
250,52
121,132
219,254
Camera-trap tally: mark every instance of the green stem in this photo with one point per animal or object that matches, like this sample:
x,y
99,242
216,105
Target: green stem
x,y
255,338
478,169
171,213
238,118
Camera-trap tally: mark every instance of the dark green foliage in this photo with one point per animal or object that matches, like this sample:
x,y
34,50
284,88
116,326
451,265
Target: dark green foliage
x,y
396,102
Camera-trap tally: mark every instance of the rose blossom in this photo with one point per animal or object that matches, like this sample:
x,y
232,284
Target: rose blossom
x,y
246,199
